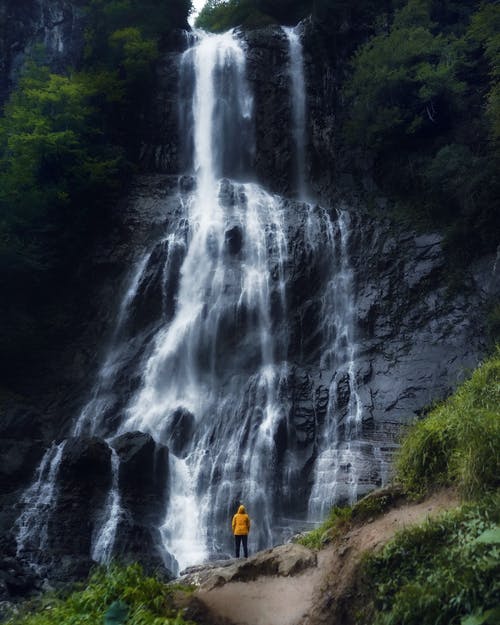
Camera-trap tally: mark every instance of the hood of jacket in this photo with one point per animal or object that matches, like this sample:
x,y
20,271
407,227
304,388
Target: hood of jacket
x,y
241,510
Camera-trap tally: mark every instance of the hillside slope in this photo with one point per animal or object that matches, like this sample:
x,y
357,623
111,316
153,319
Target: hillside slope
x,y
318,594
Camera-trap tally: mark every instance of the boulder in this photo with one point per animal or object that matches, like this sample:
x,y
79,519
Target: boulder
x,y
234,239
283,561
143,476
83,482
178,431
142,481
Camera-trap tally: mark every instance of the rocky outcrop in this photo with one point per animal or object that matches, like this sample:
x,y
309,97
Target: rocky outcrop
x,y
283,561
267,73
84,479
161,142
142,481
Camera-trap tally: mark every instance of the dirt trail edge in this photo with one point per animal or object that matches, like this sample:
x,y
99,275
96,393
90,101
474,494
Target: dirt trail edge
x,y
316,592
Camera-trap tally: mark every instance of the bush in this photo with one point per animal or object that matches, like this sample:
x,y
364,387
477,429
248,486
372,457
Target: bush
x,y
444,571
335,525
422,101
117,591
459,442
221,15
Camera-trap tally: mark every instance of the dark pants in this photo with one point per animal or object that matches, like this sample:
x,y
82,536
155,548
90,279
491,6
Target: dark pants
x,y
237,542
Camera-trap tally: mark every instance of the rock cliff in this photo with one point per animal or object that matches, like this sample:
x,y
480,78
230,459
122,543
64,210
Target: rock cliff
x,y
416,336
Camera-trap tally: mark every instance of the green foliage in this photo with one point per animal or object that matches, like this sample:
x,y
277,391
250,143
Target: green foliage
x,y
374,504
116,614
485,30
153,19
134,52
403,83
422,99
51,155
441,572
220,15
459,442
67,142
337,523
114,596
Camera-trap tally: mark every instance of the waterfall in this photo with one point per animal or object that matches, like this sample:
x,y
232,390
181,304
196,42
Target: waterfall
x,y
336,467
213,364
185,372
40,498
105,533
32,525
298,99
102,400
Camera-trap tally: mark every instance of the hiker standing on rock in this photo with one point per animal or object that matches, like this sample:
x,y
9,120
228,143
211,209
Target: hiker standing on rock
x,y
241,528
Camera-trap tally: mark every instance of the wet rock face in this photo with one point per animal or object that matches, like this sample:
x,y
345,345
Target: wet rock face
x,y
267,73
84,479
143,475
412,339
178,431
80,508
143,478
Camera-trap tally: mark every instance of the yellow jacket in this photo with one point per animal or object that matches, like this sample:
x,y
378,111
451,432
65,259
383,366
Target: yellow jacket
x,y
241,522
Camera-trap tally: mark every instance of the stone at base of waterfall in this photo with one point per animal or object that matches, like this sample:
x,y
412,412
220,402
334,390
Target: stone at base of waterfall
x,y
282,561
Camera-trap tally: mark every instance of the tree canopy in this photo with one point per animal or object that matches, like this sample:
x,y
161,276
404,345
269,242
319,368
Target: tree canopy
x,y
422,99
67,142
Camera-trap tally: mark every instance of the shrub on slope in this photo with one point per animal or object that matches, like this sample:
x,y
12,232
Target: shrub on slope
x,y
115,595
444,571
459,442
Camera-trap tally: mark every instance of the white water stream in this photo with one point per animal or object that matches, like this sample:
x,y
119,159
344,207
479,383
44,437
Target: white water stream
x,y
219,353
299,107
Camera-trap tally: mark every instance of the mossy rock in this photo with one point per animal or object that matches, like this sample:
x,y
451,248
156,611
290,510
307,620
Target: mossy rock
x,y
377,502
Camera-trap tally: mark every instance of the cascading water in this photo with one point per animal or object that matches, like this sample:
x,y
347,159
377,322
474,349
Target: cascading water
x,y
32,525
40,498
214,366
105,533
335,474
336,463
298,99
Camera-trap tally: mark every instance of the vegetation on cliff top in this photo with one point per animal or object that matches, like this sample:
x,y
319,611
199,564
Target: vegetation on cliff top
x,y
220,15
419,101
67,143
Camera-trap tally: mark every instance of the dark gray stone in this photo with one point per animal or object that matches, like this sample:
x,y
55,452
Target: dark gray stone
x,y
143,479
84,479
234,240
178,432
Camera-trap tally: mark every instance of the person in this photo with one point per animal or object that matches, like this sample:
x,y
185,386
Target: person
x,y
241,528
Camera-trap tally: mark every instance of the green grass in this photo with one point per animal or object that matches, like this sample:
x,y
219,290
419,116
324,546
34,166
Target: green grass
x,y
444,571
336,524
116,595
459,442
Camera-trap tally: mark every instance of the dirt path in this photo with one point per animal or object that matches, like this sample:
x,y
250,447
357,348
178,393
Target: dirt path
x,y
315,596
